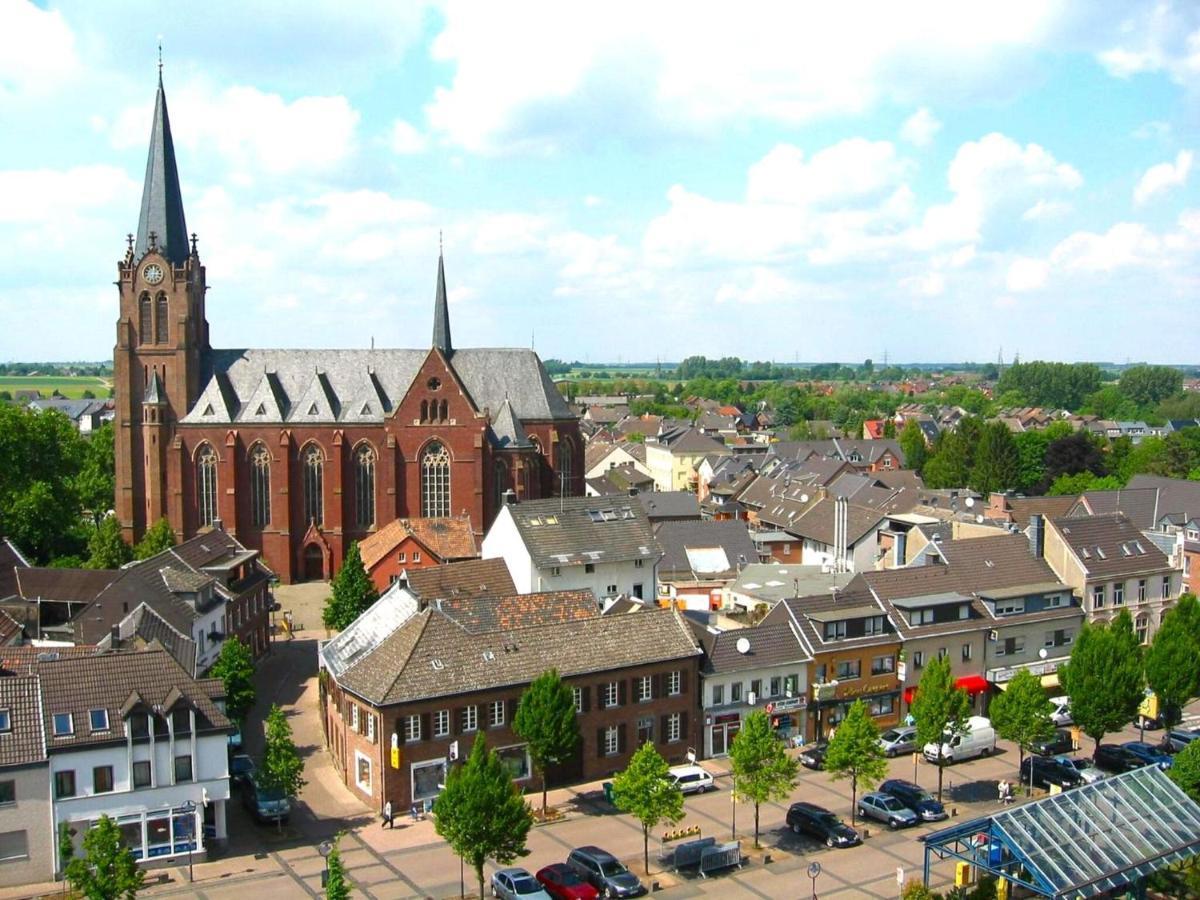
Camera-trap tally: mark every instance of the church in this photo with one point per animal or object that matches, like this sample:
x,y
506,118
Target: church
x,y
297,453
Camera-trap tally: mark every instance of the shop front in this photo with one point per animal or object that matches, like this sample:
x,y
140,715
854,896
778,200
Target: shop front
x,y
787,719
722,729
832,701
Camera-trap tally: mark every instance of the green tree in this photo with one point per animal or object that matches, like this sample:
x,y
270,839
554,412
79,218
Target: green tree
x,y
1149,385
106,547
353,592
912,445
158,537
1031,455
1185,770
645,791
107,870
337,885
997,460
854,753
66,847
950,464
763,771
940,708
1172,664
282,769
546,720
480,813
1104,677
916,890
235,668
1021,713
96,481
1073,485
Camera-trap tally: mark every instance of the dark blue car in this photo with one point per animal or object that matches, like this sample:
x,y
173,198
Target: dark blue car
x,y
915,798
1149,754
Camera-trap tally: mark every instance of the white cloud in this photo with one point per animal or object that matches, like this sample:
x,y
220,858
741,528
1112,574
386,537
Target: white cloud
x,y
406,139
920,128
766,286
1154,129
37,49
1046,209
48,196
849,172
1163,177
931,284
1026,274
1164,38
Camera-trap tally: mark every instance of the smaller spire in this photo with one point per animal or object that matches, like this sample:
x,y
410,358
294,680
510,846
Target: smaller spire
x,y
441,310
154,390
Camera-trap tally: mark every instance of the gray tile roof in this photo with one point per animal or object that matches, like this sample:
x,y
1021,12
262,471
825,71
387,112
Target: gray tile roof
x,y
143,628
506,428
63,585
670,504
688,547
25,741
771,582
775,644
467,578
1113,546
162,201
810,614
573,531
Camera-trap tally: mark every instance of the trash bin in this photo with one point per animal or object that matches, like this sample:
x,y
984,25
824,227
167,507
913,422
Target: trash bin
x,y
608,795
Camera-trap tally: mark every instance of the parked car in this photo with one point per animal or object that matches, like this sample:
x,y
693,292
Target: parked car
x,y
1088,772
820,823
886,808
915,798
813,756
605,872
1060,714
564,883
1149,754
234,741
978,740
691,779
1178,738
241,769
1062,742
1047,772
895,741
265,805
1117,759
517,884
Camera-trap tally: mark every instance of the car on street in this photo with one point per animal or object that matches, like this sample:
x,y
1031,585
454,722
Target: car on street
x,y
691,779
886,808
818,822
813,756
517,884
1087,771
241,769
1178,738
902,739
564,883
605,872
915,798
265,805
1047,772
1060,713
1062,742
1149,754
1117,759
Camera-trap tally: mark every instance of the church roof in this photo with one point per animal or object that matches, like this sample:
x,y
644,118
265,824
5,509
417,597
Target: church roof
x,y
506,428
162,201
441,314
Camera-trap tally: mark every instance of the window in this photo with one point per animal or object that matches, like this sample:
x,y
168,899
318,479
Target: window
x,y
589,568
412,728
835,630
638,563
63,724
1054,601
183,768
354,717
260,486
8,793
1119,594
674,728
5,720
102,779
610,694
1142,627
313,473
735,692
966,652
98,719
1010,607
849,669
612,742
364,486
1010,646
756,688
416,556
674,683
435,480
920,617
718,694
1058,638
141,773
610,590
645,730
144,330
1166,587
918,658
555,571
644,690
883,665
371,727
206,485
441,723
362,771
162,322
496,714
942,652
1141,595
776,686
64,784
882,706
872,625
470,718
14,845
1097,596
566,466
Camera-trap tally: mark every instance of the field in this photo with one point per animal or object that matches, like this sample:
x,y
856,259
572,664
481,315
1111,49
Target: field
x,y
68,386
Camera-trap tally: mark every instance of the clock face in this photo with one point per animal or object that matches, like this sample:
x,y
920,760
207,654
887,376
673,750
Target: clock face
x,y
153,273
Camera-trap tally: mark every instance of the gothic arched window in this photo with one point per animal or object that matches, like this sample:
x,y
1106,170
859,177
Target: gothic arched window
x,y
435,481
161,322
442,416
566,465
500,482
206,485
144,329
313,471
364,486
260,486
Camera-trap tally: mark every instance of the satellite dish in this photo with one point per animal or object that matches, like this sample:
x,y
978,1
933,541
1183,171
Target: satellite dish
x,y
979,518
743,645
970,501
804,498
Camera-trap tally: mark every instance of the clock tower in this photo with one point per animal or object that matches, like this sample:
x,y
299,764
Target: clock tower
x,y
162,338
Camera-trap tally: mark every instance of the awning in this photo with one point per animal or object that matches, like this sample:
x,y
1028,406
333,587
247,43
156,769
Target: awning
x,y
972,684
1050,681
909,693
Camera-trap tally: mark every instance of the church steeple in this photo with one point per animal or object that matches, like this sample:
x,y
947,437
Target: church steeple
x,y
162,202
441,314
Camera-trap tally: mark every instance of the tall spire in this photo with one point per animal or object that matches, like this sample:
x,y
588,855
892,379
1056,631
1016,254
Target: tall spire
x,y
441,313
162,202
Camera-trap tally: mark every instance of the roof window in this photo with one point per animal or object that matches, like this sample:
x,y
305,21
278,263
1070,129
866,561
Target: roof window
x,y
98,719
63,724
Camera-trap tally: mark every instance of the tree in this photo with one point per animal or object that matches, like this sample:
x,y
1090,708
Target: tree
x,y
1021,713
912,445
916,890
158,537
480,813
1072,454
1172,664
854,753
950,464
106,547
546,720
940,708
337,886
66,847
997,460
1104,677
96,481
763,771
282,769
645,791
107,870
1185,770
235,668
353,592
1148,385
1073,485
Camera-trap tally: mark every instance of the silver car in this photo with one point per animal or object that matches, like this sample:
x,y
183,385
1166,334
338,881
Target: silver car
x,y
1089,773
517,884
899,740
886,808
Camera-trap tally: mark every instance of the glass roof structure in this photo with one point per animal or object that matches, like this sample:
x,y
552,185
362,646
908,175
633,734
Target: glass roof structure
x,y
1082,842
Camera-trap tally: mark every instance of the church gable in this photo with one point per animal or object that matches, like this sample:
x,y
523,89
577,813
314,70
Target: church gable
x,y
367,403
217,403
317,404
268,403
435,396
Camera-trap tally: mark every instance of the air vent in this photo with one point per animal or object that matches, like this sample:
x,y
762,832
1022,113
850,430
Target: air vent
x,y
438,665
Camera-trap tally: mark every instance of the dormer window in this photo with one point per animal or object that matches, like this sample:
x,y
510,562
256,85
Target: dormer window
x,y
64,724
98,719
920,617
835,630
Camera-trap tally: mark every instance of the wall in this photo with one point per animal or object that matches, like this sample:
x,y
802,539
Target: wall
x,y
503,541
408,555
31,814
626,576
798,671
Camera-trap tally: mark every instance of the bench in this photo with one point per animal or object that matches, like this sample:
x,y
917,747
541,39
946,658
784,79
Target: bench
x,y
690,853
723,856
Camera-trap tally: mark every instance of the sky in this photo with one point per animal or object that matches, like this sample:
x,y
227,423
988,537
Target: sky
x,y
922,181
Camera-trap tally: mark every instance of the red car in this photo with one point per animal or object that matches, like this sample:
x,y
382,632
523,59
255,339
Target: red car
x,y
561,881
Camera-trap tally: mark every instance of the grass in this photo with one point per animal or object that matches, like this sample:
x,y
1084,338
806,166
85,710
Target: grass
x,y
67,385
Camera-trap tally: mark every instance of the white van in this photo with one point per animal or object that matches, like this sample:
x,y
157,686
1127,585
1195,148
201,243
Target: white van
x,y
978,740
1060,714
691,779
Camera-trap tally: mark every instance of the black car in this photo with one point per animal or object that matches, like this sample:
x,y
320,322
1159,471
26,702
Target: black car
x,y
605,872
813,756
1117,759
1049,771
1060,743
915,798
820,823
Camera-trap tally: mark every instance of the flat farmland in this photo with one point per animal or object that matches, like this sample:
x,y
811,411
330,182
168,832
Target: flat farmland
x,y
68,385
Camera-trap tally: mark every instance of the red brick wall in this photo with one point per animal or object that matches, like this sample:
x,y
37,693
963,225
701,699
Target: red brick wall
x,y
390,566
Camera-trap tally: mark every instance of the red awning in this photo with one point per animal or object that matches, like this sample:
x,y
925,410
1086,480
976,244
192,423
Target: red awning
x,y
909,693
972,684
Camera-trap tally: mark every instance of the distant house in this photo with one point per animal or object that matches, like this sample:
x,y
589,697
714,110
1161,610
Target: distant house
x,y
406,544
674,457
85,415
700,560
670,506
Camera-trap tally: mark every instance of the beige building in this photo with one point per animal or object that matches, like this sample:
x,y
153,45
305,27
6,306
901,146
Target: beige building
x,y
673,460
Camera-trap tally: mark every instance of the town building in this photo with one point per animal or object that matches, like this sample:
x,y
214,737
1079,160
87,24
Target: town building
x,y
700,560
674,456
27,851
452,581
760,586
407,544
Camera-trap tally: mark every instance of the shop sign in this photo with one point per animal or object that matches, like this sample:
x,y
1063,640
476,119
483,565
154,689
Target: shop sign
x,y
858,690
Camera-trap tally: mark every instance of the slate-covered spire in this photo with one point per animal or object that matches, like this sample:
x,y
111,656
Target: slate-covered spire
x,y
154,390
162,203
441,314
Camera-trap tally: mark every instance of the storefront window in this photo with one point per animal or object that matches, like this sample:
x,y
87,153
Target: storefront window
x,y
425,779
158,836
516,759
131,834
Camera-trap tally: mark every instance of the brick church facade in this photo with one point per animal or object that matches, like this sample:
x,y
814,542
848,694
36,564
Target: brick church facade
x,y
298,453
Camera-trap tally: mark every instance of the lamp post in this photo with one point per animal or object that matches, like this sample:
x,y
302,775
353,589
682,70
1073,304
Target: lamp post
x,y
189,807
814,869
325,848
733,806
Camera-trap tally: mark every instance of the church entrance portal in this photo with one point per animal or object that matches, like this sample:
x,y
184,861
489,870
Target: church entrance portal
x,y
314,563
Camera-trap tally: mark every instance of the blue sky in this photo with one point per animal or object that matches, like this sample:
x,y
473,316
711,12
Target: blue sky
x,y
933,181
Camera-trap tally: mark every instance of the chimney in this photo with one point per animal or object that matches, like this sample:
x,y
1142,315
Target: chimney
x,y
900,546
115,636
510,497
1037,536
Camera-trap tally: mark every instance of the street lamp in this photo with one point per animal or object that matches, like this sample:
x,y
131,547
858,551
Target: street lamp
x,y
325,848
814,869
189,807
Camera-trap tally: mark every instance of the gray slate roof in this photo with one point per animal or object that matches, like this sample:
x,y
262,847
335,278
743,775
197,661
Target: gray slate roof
x,y
670,504
1113,544
675,539
774,644
573,531
507,431
144,628
162,201
24,742
11,559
